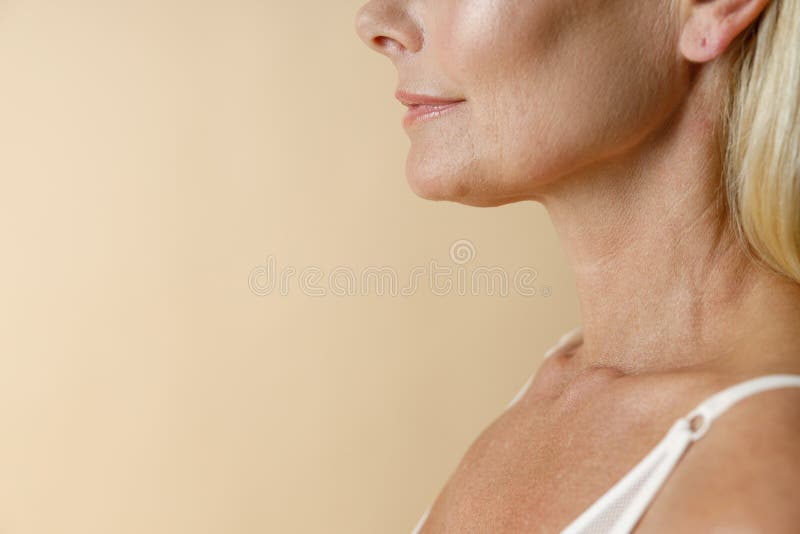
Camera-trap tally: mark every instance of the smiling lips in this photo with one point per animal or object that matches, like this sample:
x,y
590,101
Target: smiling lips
x,y
423,107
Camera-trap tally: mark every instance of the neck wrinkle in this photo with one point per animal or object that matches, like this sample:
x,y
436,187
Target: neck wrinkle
x,y
662,280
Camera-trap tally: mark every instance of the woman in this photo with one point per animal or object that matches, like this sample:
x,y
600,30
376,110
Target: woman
x,y
663,138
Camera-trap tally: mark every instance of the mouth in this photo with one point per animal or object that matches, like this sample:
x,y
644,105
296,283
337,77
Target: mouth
x,y
424,107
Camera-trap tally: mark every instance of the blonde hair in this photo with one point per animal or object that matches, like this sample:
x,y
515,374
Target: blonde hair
x,y
761,138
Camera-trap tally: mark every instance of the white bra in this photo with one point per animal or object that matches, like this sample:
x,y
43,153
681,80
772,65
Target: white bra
x,y
620,508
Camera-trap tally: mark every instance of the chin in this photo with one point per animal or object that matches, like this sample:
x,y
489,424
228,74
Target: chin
x,y
433,178
439,189
468,188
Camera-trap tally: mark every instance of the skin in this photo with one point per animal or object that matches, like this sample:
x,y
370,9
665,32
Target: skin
x,y
607,113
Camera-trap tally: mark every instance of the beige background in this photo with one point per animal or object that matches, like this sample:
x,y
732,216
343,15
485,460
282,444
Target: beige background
x,y
152,154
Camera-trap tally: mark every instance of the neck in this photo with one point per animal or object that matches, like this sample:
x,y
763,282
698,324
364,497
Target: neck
x,y
663,282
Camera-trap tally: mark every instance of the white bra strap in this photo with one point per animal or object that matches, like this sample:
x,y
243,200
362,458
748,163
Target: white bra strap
x,y
620,508
716,405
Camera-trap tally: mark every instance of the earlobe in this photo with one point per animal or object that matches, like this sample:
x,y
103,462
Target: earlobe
x,y
697,44
712,25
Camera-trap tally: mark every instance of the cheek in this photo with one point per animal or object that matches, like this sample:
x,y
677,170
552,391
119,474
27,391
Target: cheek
x,y
554,85
474,40
505,56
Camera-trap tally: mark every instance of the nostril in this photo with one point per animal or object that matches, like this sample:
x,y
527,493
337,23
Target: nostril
x,y
387,27
381,41
387,44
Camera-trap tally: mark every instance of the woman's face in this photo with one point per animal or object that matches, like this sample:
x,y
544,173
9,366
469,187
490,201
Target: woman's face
x,y
539,89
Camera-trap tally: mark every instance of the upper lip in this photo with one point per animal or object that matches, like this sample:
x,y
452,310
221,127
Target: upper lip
x,y
413,99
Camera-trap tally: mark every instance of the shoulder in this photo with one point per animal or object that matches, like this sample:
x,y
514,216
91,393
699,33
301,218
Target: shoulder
x,y
742,476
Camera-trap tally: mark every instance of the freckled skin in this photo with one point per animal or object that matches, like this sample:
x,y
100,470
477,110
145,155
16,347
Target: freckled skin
x,y
527,472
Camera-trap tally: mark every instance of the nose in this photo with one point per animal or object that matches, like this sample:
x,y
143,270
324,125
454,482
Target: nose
x,y
387,27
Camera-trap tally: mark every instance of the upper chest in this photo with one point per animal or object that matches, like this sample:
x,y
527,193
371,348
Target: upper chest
x,y
547,458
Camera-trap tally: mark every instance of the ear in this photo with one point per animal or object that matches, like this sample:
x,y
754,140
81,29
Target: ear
x,y
711,25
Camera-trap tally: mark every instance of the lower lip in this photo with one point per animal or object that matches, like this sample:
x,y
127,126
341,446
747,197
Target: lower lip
x,y
427,112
